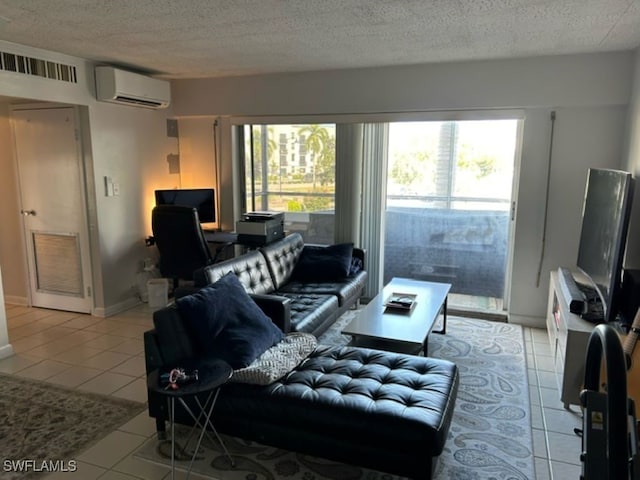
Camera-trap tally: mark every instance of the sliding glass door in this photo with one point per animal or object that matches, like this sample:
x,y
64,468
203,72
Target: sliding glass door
x,y
448,214
430,200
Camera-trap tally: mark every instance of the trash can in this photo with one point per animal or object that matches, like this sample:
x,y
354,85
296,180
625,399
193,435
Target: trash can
x,y
142,278
158,292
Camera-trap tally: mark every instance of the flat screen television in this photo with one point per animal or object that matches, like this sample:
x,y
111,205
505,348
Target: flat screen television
x,y
202,199
605,221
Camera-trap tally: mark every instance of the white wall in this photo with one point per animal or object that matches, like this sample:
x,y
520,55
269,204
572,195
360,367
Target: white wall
x,y
575,149
36,88
196,153
127,143
24,88
597,79
6,349
11,245
590,94
590,136
632,160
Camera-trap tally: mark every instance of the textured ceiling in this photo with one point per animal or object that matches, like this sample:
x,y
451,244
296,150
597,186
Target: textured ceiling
x,y
201,38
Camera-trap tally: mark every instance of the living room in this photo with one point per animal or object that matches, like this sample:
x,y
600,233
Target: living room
x,y
593,96
596,96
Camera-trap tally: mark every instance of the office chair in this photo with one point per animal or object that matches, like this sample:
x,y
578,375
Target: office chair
x,y
180,241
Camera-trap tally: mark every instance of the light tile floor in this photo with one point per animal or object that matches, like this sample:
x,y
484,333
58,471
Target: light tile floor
x,y
106,356
555,445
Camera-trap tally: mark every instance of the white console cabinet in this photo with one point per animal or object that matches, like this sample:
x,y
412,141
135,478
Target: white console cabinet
x,y
569,336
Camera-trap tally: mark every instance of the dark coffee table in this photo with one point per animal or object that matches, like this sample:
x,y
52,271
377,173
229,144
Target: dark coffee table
x,y
401,331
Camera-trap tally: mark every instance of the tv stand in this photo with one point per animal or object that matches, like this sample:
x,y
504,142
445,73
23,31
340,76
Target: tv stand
x,y
568,335
590,293
595,312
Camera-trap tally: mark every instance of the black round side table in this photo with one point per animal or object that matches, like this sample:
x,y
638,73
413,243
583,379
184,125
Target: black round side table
x,y
210,377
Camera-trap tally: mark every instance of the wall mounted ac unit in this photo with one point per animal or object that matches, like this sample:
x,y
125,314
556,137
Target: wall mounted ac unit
x,y
128,88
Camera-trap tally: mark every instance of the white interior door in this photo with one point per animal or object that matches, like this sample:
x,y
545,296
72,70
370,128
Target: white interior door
x,y
53,206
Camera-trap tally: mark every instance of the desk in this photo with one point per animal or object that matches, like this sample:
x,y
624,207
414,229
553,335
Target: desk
x,y
209,382
232,238
219,241
215,236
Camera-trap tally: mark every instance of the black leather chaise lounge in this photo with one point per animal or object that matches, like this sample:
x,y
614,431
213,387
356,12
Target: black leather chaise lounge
x,y
380,410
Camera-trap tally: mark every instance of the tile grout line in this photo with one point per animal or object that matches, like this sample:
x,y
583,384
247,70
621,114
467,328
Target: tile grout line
x,y
542,415
544,419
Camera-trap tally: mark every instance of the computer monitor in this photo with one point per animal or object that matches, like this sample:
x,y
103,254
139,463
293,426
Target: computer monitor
x,y
202,199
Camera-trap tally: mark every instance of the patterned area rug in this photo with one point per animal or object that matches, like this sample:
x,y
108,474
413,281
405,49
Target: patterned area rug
x,y
42,424
490,436
253,461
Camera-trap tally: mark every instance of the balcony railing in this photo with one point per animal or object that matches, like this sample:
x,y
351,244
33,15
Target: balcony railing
x,y
466,247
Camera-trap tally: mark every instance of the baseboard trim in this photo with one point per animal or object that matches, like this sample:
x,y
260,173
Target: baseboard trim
x,y
14,300
6,351
483,314
527,321
115,309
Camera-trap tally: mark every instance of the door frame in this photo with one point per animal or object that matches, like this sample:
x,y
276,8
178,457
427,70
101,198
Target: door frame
x,y
88,279
511,239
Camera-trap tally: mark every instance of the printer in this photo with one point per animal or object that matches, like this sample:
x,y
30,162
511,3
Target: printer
x,y
260,228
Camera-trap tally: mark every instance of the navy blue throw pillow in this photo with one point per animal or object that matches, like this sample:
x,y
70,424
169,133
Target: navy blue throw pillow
x,y
226,323
323,264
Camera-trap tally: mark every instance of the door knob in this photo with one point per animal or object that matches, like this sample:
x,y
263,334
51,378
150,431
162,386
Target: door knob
x,y
26,213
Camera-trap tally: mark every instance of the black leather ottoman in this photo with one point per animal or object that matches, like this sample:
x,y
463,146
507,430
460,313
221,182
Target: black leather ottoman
x,y
381,410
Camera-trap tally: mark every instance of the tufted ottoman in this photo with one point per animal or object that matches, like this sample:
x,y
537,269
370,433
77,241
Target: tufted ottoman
x,y
381,410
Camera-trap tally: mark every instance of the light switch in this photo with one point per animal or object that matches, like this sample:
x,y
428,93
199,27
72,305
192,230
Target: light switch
x,y
108,186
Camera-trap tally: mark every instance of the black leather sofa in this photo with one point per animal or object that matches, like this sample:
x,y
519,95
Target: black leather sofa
x,y
380,410
307,305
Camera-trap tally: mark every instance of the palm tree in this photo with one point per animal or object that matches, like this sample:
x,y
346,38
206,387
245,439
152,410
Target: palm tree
x,y
319,143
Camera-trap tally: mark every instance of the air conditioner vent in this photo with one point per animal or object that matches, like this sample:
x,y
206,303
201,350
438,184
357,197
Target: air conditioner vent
x,y
138,101
10,62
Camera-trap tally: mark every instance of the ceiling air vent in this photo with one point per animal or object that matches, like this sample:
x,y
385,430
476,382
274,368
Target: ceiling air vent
x,y
10,62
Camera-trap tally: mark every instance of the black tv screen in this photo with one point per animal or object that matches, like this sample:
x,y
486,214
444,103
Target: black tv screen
x,y
202,199
605,221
